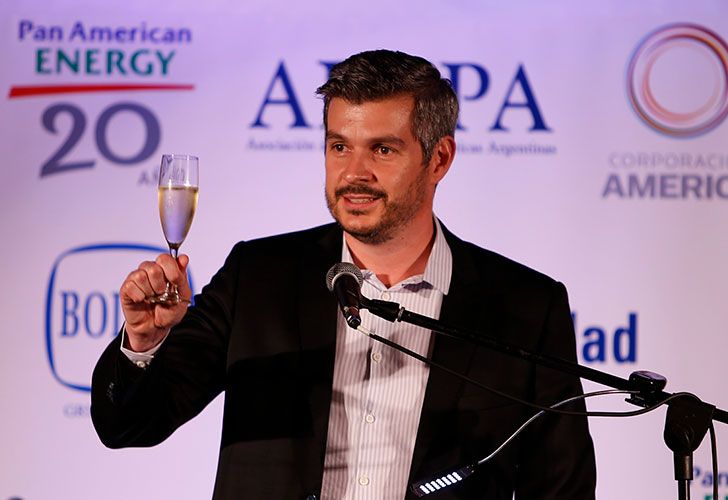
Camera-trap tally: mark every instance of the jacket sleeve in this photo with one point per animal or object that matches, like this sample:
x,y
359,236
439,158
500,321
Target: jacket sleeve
x,y
557,454
132,406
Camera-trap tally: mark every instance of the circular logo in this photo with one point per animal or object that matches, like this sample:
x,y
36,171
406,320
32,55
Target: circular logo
x,y
677,80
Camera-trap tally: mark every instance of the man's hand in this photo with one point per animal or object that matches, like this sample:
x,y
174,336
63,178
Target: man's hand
x,y
147,324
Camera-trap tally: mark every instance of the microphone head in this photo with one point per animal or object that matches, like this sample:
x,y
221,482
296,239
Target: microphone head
x,y
340,269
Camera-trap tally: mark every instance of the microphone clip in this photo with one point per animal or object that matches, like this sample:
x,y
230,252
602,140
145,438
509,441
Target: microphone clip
x,y
391,311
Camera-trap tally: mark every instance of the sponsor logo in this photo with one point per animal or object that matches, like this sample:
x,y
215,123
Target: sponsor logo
x,y
601,344
81,49
108,59
677,84
667,175
511,97
83,312
683,103
704,478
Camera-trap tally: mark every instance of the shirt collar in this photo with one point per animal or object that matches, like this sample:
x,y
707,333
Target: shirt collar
x,y
438,271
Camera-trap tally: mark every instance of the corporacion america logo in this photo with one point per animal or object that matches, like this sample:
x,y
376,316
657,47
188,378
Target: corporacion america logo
x,y
684,103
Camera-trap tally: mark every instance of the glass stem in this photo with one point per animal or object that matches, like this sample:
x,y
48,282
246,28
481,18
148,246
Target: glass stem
x,y
171,290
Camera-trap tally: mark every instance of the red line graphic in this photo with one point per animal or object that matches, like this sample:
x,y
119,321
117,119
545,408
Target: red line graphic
x,y
36,90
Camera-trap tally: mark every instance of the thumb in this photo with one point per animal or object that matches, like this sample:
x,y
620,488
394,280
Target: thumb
x,y
183,261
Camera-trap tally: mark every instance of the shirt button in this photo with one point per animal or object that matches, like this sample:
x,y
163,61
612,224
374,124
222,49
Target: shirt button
x,y
363,480
376,357
369,418
385,296
141,364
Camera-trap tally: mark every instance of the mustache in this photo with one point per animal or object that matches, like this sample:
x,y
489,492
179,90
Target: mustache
x,y
359,189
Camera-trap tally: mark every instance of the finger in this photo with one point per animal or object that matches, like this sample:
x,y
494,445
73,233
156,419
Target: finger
x,y
139,280
166,317
170,267
176,273
184,286
156,281
132,291
183,261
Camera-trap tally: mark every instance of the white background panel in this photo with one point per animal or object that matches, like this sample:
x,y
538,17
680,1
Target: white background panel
x,y
658,258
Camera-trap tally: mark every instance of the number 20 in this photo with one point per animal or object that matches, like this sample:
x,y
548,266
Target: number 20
x,y
54,165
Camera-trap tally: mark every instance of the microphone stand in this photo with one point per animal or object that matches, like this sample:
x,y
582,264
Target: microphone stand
x,y
687,419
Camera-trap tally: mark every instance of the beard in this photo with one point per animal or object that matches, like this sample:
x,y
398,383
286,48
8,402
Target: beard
x,y
397,213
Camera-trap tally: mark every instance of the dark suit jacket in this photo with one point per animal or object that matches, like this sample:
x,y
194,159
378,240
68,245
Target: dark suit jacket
x,y
264,331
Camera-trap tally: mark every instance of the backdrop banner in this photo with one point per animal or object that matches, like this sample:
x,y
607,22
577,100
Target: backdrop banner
x,y
592,146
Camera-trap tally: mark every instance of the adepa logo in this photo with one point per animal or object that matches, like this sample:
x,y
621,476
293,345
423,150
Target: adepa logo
x,y
677,80
83,312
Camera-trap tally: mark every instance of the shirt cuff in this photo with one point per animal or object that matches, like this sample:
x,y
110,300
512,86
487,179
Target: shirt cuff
x,y
141,359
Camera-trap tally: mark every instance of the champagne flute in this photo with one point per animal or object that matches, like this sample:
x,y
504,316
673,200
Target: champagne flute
x,y
177,195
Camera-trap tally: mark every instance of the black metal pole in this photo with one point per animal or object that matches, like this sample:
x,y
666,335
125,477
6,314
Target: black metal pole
x,y
392,311
687,419
683,489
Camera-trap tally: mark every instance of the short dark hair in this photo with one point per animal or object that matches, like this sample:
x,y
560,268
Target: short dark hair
x,y
380,74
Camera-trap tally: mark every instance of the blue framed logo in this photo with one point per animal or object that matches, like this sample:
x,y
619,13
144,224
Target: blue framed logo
x,y
83,311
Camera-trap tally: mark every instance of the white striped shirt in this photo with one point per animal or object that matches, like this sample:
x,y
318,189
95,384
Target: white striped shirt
x,y
378,391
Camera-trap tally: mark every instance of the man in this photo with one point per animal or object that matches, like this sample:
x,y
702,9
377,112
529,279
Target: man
x,y
314,409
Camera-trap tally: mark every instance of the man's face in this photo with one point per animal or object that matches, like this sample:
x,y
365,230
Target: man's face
x,y
376,183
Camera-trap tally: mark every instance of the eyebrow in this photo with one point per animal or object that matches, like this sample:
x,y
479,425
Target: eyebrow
x,y
384,139
333,136
388,139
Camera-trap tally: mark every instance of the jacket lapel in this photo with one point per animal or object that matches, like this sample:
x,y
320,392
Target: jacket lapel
x,y
459,306
317,306
317,313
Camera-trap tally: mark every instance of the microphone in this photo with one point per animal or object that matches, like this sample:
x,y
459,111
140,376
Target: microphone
x,y
345,279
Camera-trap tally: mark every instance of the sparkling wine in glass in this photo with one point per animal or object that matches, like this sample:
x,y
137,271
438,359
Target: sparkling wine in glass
x,y
177,195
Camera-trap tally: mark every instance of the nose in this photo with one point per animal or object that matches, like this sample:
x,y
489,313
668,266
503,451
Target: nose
x,y
358,169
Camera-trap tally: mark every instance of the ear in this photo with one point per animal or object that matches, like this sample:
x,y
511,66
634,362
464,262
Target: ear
x,y
442,157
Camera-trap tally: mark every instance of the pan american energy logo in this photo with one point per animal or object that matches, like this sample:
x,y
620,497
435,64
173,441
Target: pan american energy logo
x,y
83,313
64,64
677,84
704,477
